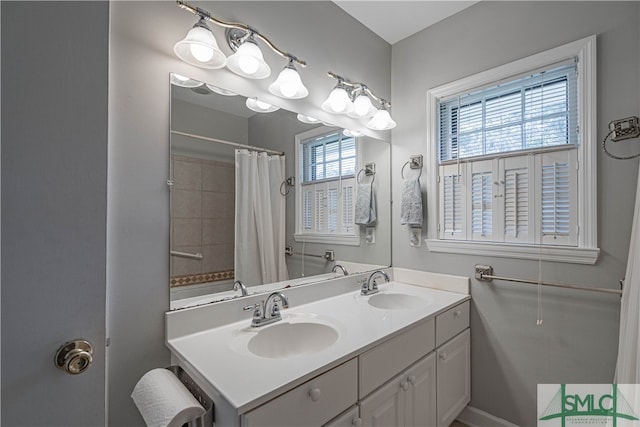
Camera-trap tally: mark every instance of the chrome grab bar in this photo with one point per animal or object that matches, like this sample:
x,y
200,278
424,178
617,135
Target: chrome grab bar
x,y
186,255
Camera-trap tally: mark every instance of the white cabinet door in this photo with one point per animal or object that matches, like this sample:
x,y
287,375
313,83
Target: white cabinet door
x,y
351,418
453,377
420,406
385,407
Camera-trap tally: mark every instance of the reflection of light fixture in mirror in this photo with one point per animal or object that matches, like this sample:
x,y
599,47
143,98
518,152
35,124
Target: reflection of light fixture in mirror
x,y
258,106
182,81
362,106
247,61
381,120
307,119
289,84
221,91
200,48
338,100
353,133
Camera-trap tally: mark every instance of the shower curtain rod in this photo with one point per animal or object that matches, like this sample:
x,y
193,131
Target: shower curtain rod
x,y
222,141
485,274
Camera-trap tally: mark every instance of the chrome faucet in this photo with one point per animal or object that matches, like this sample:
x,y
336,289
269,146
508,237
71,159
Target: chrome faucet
x,y
268,311
341,267
239,285
370,287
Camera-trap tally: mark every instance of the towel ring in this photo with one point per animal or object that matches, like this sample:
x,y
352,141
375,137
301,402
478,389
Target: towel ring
x,y
365,172
409,162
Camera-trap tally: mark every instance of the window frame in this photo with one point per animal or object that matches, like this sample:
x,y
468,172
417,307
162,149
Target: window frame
x,y
586,251
340,238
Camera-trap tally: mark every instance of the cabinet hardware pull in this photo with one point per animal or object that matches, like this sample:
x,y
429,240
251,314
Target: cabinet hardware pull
x,y
404,386
357,422
314,394
443,356
457,313
412,379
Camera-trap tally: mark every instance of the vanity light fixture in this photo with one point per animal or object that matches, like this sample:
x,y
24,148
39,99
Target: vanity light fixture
x,y
339,100
200,48
353,133
307,119
182,81
289,84
381,120
361,106
247,61
258,106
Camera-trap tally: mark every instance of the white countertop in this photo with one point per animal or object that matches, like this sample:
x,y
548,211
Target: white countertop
x,y
221,357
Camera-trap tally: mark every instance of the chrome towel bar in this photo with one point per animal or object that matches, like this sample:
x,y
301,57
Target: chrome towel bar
x,y
186,255
485,274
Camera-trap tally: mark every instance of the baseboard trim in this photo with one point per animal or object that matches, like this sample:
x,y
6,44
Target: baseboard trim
x,y
474,417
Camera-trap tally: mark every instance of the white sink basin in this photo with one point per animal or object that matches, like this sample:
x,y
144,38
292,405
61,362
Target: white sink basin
x,y
284,340
396,301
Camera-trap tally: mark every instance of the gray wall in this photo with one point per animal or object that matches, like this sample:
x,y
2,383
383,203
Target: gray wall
x,y
141,57
54,185
578,340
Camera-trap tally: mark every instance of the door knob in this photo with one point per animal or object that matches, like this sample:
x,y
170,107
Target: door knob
x,y
74,357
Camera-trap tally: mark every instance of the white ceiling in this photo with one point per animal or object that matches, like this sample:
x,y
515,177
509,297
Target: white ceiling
x,y
396,20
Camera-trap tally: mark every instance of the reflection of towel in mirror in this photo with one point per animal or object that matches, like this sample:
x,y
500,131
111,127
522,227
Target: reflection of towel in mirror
x,y
411,205
365,209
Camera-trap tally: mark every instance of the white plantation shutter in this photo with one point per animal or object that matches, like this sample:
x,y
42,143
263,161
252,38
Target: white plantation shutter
x,y
452,204
516,174
307,210
320,209
482,200
332,210
347,206
558,176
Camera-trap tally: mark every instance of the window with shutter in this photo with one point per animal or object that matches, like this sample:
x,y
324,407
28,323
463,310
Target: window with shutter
x,y
514,152
326,165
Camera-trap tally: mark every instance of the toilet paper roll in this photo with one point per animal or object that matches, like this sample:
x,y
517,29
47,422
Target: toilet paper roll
x,y
164,401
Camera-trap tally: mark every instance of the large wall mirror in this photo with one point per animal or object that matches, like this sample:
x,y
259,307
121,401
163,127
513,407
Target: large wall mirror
x,y
264,198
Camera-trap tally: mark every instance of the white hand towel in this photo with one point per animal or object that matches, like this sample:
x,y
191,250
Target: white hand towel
x,y
411,205
365,209
163,401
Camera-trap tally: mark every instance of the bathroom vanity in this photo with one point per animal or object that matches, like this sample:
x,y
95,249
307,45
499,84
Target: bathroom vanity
x,y
398,357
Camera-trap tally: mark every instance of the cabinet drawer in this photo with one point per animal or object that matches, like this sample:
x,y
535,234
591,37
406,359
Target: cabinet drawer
x,y
451,322
311,404
382,362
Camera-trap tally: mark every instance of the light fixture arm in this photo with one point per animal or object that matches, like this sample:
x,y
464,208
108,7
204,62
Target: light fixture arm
x,y
357,88
239,26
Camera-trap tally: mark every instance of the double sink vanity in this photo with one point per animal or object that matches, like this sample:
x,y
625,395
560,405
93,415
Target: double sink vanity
x,y
341,354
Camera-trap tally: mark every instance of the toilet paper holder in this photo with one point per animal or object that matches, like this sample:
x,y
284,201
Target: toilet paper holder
x,y
206,419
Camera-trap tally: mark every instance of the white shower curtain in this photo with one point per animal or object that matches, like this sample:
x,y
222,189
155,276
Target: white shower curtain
x,y
628,364
260,218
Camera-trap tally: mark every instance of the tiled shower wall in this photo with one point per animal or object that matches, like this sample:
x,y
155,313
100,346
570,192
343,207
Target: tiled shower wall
x,y
202,219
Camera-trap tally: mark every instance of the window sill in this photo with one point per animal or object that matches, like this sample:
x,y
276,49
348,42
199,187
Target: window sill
x,y
573,255
353,240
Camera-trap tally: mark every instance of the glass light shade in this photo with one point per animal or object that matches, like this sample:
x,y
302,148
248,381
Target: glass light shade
x,y
258,106
248,62
221,91
362,107
338,102
307,119
200,48
381,121
182,81
288,85
353,133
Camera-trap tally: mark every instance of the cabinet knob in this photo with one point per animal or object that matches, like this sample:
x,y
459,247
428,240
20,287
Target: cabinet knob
x,y
412,379
443,356
404,385
357,422
457,313
314,394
